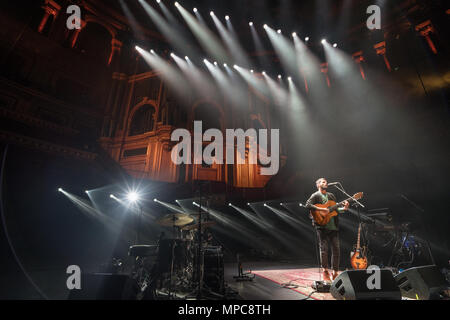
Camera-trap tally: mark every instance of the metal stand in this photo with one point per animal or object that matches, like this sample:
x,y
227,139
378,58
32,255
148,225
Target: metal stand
x,y
241,275
423,211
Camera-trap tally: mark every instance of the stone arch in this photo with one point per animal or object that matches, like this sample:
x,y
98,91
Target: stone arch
x,y
210,122
95,40
142,118
93,19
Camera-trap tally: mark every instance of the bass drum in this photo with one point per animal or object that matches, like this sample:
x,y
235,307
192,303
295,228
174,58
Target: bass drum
x,y
213,274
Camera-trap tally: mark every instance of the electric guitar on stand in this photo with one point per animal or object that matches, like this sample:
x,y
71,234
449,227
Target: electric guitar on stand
x,y
358,258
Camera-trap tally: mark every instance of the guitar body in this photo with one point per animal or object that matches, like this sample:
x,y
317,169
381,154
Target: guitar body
x,y
359,260
323,220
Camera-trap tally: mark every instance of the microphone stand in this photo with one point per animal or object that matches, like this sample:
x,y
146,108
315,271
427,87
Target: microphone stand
x,y
339,186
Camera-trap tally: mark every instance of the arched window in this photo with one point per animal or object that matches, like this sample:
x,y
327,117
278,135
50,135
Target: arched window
x,y
143,120
94,41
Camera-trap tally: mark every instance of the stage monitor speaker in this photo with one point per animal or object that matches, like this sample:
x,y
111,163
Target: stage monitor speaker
x,y
424,283
352,285
104,286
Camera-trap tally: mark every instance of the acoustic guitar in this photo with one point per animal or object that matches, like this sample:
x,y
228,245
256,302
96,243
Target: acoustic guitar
x,y
322,219
358,258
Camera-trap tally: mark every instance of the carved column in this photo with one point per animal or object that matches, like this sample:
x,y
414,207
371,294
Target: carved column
x,y
425,28
76,33
324,70
116,46
51,8
381,51
359,58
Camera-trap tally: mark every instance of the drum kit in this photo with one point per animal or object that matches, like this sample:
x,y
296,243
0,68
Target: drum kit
x,y
185,263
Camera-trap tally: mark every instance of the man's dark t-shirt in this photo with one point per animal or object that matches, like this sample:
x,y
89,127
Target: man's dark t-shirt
x,y
319,198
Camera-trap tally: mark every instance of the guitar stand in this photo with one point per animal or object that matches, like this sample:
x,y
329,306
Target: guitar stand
x,y
243,276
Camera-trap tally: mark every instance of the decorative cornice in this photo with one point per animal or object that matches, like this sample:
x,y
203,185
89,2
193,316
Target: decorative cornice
x,y
46,146
26,118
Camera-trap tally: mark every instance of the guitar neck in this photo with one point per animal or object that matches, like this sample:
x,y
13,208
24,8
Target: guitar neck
x,y
337,205
359,235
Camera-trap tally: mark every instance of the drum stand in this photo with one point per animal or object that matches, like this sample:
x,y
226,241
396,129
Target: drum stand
x,y
172,257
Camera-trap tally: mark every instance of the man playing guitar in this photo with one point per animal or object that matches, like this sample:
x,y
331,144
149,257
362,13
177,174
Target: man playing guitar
x,y
328,234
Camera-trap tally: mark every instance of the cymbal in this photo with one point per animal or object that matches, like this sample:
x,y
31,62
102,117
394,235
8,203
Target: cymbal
x,y
195,225
175,219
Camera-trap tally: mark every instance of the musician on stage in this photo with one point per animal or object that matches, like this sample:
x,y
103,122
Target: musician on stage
x,y
328,235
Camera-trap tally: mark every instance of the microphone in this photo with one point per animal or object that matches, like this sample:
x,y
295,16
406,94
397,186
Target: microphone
x,y
332,184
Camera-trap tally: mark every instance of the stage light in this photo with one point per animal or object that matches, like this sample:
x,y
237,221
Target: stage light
x,y
251,71
230,204
215,63
279,76
136,47
248,203
265,26
111,196
225,65
152,51
294,34
186,57
323,41
335,45
158,1
227,17
172,55
132,196
306,38
281,203
176,4
211,13
60,189
155,200
235,66
289,78
204,60
265,204
279,31
195,9
250,23
264,73
86,191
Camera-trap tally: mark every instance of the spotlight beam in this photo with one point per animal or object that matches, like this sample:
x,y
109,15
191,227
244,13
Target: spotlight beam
x,y
205,36
167,72
174,36
233,46
170,206
284,49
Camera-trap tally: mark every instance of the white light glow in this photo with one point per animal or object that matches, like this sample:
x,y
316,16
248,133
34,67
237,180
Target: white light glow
x,y
306,38
132,196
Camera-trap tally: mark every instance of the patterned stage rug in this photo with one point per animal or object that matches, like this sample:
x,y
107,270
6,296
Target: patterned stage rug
x,y
299,280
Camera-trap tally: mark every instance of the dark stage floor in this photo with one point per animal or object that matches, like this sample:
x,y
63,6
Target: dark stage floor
x,y
262,288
